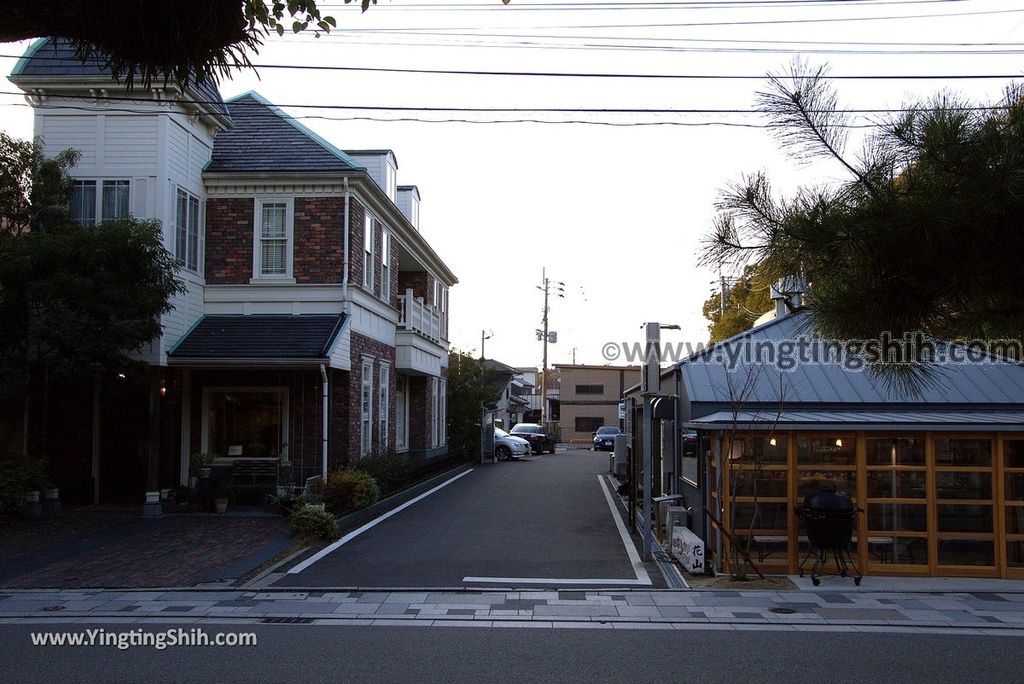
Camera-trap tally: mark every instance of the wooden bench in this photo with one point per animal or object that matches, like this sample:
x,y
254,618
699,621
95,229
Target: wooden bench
x,y
254,476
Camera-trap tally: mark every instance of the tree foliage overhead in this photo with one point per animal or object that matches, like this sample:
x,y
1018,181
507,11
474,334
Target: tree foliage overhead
x,y
925,234
149,40
745,301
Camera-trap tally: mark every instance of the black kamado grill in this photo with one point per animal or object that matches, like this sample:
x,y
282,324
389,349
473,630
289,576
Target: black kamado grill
x,y
829,517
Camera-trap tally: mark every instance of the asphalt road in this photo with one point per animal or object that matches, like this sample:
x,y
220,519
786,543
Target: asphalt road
x,y
288,653
543,518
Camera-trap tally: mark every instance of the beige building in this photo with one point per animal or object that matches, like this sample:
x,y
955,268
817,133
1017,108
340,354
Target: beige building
x,y
590,397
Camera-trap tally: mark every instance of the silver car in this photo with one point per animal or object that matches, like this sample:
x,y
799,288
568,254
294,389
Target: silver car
x,y
507,446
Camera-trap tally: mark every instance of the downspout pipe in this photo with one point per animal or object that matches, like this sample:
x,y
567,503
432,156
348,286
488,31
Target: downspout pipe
x,y
348,211
323,403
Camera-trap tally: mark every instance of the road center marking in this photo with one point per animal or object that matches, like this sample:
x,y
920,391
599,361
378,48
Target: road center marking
x,y
376,521
642,578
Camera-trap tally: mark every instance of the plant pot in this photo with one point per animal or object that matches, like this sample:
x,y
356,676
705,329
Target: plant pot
x,y
152,497
204,471
51,493
165,494
31,505
220,505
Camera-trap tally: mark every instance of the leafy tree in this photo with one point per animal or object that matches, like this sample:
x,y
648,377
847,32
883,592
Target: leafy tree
x,y
745,301
72,298
470,386
925,234
176,39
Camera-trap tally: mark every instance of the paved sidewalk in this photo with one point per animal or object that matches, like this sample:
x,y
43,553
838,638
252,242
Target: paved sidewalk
x,y
961,612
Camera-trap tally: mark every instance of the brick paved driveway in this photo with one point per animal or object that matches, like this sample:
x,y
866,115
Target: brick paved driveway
x,y
125,550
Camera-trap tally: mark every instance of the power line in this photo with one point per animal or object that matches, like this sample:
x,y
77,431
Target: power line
x,y
530,110
589,122
751,22
627,6
605,75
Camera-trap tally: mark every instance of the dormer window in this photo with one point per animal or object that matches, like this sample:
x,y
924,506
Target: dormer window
x,y
272,255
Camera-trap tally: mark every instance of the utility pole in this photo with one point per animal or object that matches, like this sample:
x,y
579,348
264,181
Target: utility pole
x,y
547,336
650,388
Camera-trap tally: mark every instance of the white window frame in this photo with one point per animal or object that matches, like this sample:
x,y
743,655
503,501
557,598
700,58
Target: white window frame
x,y
401,414
385,266
257,235
97,191
366,408
185,247
283,392
434,434
383,403
442,404
369,263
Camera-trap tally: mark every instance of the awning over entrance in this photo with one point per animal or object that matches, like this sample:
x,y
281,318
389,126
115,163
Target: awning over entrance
x,y
954,421
259,339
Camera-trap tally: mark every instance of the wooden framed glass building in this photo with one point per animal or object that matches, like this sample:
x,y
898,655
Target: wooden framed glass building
x,y
939,472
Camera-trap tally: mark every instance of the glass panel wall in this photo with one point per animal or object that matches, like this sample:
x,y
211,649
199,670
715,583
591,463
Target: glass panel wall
x,y
1013,501
760,509
964,506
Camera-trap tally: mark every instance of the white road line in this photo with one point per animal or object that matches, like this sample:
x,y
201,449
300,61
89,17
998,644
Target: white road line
x,y
634,557
642,578
376,521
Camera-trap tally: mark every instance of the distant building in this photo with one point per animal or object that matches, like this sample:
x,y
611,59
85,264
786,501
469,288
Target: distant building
x,y
589,397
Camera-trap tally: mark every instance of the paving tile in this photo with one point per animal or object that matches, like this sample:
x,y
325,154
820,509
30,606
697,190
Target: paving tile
x,y
860,614
590,611
674,611
639,600
392,609
672,599
406,597
639,611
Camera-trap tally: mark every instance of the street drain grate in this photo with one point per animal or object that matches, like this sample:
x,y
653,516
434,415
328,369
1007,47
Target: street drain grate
x,y
782,611
51,609
287,621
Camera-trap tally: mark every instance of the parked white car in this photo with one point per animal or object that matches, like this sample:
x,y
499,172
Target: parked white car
x,y
506,446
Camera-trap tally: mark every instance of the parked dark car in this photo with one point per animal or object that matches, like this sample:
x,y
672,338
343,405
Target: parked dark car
x,y
604,438
540,441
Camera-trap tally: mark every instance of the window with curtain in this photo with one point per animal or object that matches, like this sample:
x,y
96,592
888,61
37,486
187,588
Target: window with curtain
x,y
94,201
366,412
273,247
383,401
385,267
368,253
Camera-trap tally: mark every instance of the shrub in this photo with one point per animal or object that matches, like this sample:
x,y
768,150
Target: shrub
x,y
314,523
390,470
352,489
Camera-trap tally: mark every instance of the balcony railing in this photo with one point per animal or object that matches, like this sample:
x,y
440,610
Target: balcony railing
x,y
423,318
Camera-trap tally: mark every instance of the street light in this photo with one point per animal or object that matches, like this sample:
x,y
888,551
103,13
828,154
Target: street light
x,y
484,335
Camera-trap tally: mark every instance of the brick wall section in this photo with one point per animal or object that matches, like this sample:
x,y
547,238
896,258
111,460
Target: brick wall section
x,y
319,230
380,352
229,240
419,413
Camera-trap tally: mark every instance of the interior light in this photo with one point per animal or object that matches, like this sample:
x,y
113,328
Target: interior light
x,y
772,441
839,442
121,375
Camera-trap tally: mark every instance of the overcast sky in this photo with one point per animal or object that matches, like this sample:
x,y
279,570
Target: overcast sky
x,y
617,213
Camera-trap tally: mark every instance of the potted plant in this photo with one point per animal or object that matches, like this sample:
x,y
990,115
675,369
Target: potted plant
x,y
220,497
51,498
201,462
